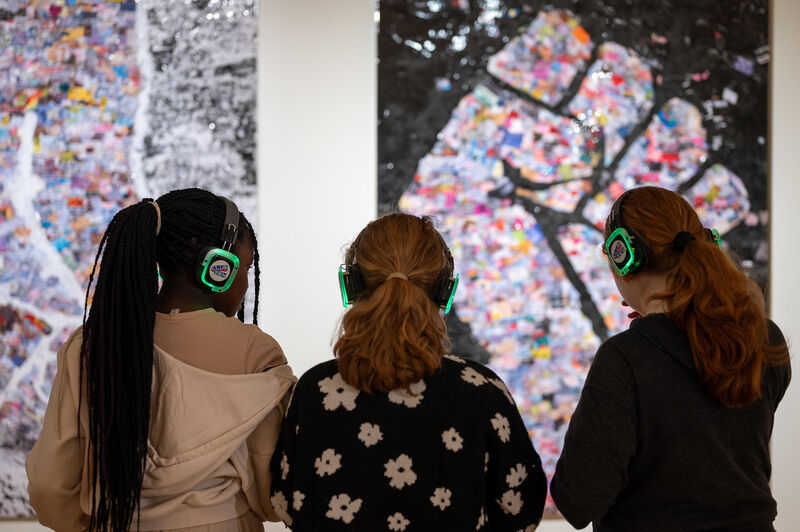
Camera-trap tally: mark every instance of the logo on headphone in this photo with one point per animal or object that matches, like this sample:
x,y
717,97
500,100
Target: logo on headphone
x,y
618,251
219,270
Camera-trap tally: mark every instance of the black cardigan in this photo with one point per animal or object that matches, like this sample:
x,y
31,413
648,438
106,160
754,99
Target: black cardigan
x,y
454,455
648,449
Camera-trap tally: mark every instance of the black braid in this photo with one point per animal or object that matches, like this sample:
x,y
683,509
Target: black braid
x,y
252,234
257,271
117,346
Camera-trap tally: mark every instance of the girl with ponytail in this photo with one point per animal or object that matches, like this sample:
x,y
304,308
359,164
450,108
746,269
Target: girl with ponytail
x,y
396,433
165,407
673,425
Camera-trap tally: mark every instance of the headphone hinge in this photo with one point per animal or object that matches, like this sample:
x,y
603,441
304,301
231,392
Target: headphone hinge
x,y
228,236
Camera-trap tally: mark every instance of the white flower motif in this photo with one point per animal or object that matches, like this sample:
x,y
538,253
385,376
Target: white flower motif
x,y
500,424
517,476
280,505
481,520
402,397
284,467
472,376
297,500
398,522
454,358
328,463
400,472
441,498
502,387
486,463
511,502
341,507
337,393
370,434
452,440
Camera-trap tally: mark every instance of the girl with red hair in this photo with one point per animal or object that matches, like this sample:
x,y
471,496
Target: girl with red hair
x,y
396,433
673,425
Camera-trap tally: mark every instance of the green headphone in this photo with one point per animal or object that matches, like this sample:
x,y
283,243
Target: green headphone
x,y
627,252
217,267
351,284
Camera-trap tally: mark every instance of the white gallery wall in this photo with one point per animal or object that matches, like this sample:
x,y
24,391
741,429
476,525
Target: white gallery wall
x,y
317,107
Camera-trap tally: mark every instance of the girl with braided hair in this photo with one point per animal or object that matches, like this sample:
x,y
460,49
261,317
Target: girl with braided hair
x,y
165,408
673,425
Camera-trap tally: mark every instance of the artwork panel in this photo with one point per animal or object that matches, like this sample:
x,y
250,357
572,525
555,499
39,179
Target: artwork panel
x,y
520,163
101,104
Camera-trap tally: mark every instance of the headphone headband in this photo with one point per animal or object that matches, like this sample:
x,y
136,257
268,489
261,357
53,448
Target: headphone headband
x,y
615,220
230,228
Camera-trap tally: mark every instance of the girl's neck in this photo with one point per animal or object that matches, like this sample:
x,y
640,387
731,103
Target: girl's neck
x,y
655,306
182,294
652,285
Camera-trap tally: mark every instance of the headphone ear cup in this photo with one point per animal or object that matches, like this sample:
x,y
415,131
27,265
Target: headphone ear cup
x,y
627,252
714,236
216,269
444,290
436,291
356,281
351,283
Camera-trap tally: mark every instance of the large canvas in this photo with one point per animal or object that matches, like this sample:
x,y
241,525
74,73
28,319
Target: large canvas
x,y
102,103
517,124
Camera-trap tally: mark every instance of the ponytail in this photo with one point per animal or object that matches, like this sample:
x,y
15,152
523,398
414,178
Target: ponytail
x,y
117,364
394,335
723,313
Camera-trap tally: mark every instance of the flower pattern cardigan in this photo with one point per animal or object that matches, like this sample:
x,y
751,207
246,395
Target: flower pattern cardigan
x,y
451,453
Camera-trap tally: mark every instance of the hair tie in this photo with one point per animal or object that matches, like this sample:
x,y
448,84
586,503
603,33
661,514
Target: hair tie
x,y
682,239
401,275
158,213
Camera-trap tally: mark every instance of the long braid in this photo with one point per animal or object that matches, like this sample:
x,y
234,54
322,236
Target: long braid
x,y
257,270
245,223
117,362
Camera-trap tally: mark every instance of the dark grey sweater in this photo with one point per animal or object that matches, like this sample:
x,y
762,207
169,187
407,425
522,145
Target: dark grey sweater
x,y
648,449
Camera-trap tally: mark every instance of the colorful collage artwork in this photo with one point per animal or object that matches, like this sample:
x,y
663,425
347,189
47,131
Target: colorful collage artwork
x,y
101,103
551,112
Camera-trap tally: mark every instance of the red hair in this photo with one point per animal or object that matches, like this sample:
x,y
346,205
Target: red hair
x,y
394,334
718,306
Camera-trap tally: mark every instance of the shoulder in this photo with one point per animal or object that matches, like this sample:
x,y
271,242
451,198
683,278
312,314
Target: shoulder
x,y
464,366
318,382
70,351
618,360
775,335
779,374
76,338
311,379
476,377
618,348
263,351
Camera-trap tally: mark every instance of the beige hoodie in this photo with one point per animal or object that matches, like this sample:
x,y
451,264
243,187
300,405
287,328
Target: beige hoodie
x,y
210,443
